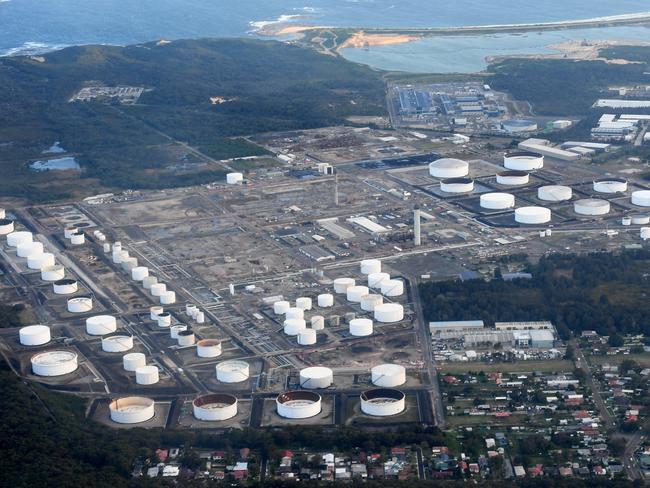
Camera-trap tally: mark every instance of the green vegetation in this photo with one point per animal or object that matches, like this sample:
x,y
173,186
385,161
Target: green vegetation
x,y
259,86
10,315
604,292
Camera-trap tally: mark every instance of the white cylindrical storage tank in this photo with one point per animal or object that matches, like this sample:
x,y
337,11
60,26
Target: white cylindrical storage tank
x,y
316,377
34,335
147,375
392,288
186,338
304,303
3,213
233,371
448,168
69,231
281,307
132,410
19,237
53,273
388,375
107,248
191,309
139,273
591,206
354,293
369,266
133,361
200,318
40,261
80,304
168,298
457,185
375,279
234,178
513,178
554,193
325,300
360,327
66,286
626,221
298,404
389,312
148,282
382,402
318,322
155,311
208,348
523,161
101,325
164,319
532,215
117,343
128,264
645,233
174,330
26,249
6,226
295,313
369,302
640,198
78,239
610,185
119,256
497,201
640,219
54,363
293,327
158,289
341,285
214,407
117,246
307,337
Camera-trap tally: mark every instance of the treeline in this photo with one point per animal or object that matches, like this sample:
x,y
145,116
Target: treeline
x,y
605,292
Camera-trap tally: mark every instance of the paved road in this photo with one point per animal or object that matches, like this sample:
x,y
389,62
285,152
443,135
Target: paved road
x,y
629,458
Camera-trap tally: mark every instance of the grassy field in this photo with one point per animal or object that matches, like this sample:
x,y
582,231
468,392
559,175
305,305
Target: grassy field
x,y
550,366
643,359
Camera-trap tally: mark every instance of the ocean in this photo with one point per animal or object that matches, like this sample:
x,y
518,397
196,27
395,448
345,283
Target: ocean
x,y
34,26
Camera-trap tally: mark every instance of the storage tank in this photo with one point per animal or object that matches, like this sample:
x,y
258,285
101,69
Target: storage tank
x,y
448,168
66,286
186,338
148,282
18,237
591,206
158,289
147,375
174,330
325,300
80,304
6,226
382,402
497,201
354,293
392,288
513,178
191,310
52,273
164,319
118,255
281,307
389,312
626,221
341,285
34,335
106,248
369,266
214,407
208,348
78,238
334,320
292,327
26,249
640,219
375,279
554,193
645,233
69,231
3,213
316,377
307,337
369,302
40,261
234,178
610,185
155,311
133,361
117,342
101,325
532,215
303,303
233,371
200,318
318,322
388,375
457,185
295,313
298,404
54,363
360,327
131,410
523,161
139,273
128,264
168,298
640,198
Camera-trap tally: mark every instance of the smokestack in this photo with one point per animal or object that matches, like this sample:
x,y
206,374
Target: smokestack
x,y
416,226
336,188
